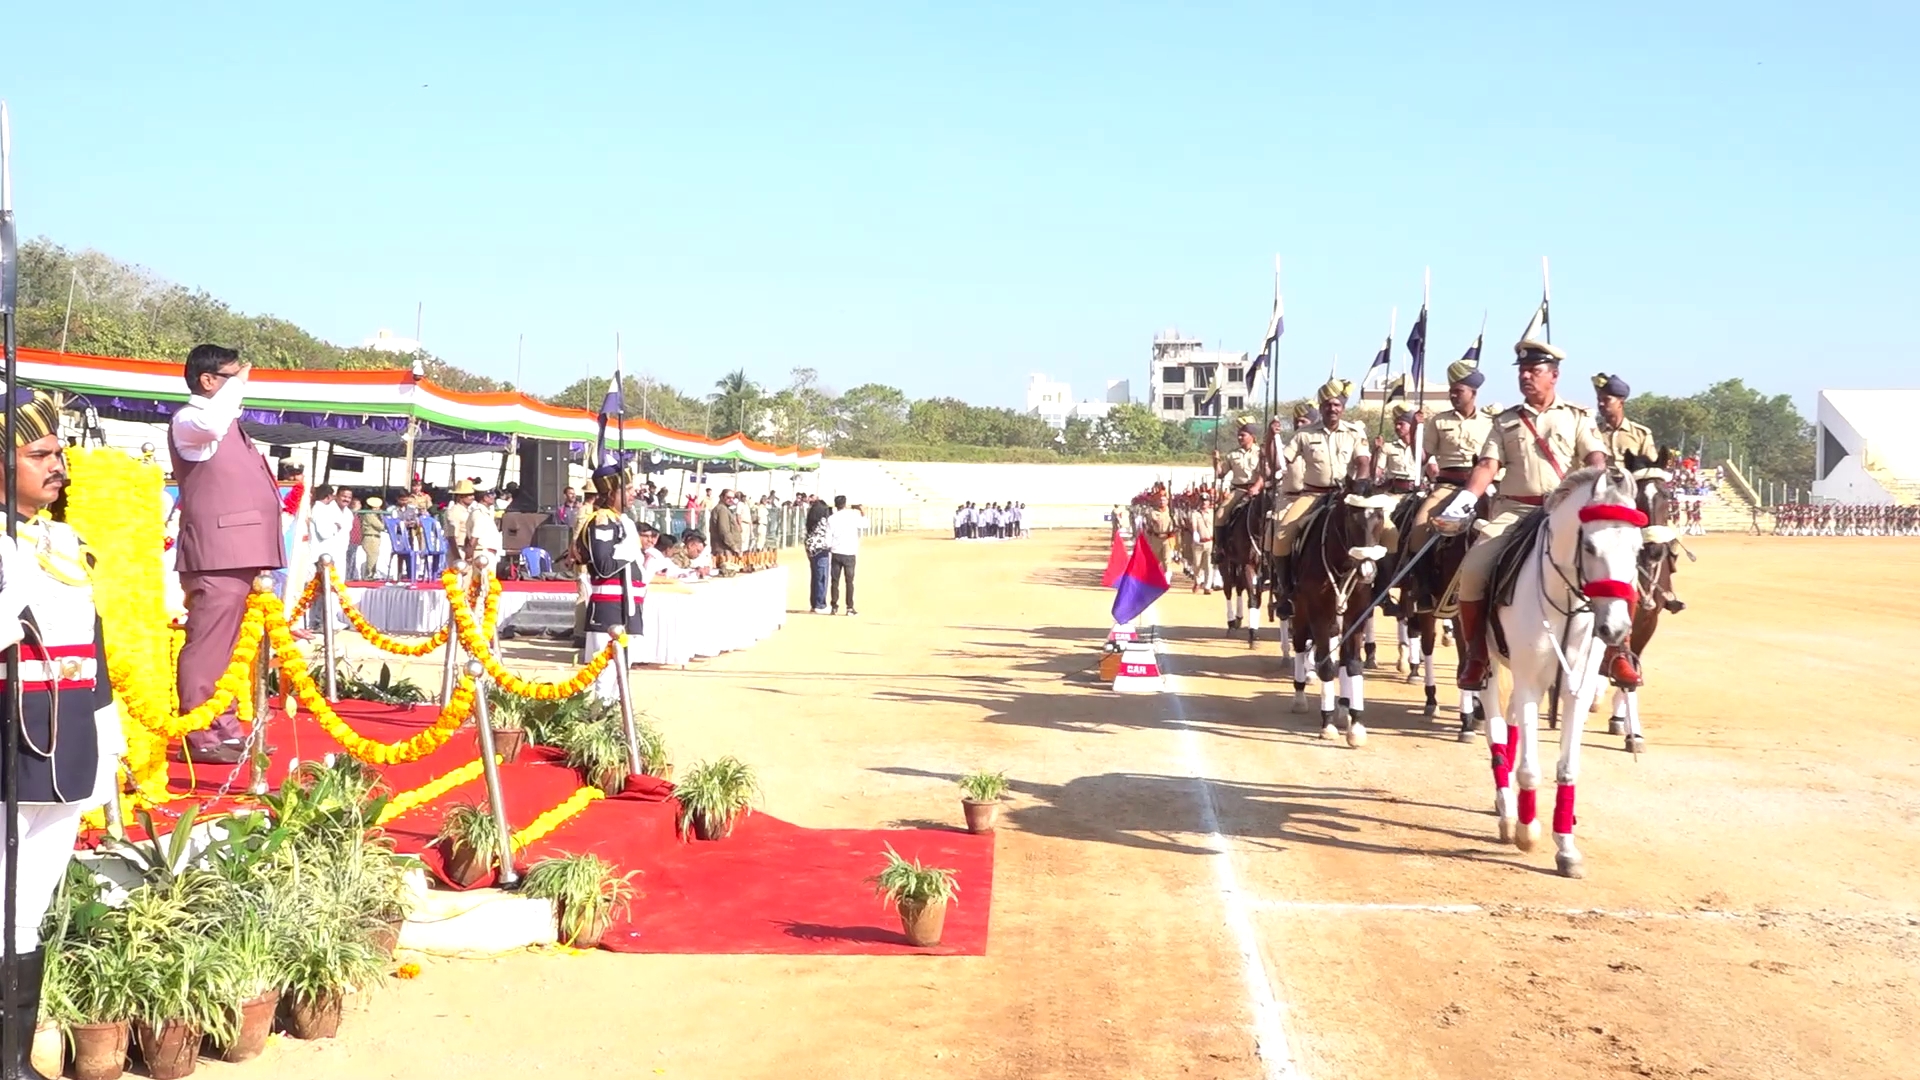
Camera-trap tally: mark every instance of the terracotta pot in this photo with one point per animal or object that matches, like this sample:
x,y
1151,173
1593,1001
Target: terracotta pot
x,y
386,936
464,868
708,830
923,923
318,1018
256,1023
508,742
612,779
981,815
99,1050
588,938
49,1052
171,1052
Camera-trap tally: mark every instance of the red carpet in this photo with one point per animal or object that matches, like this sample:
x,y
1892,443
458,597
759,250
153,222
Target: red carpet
x,y
770,887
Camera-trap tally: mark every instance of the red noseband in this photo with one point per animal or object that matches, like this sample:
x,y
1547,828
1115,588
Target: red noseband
x,y
1626,514
1610,590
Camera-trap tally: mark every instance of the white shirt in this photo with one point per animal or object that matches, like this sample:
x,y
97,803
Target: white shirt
x,y
700,565
202,422
327,524
484,530
654,564
843,531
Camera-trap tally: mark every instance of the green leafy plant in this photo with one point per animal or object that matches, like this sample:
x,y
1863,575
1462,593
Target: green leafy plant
x,y
716,793
175,971
909,886
984,786
598,748
654,760
470,827
354,685
91,982
587,892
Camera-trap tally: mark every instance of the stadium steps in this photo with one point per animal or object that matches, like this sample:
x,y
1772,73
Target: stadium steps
x,y
1904,492
1724,509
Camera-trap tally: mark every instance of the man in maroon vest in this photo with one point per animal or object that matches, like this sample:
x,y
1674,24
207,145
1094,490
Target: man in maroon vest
x,y
229,533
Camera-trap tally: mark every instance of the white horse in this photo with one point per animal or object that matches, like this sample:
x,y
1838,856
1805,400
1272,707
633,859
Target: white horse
x,y
1575,593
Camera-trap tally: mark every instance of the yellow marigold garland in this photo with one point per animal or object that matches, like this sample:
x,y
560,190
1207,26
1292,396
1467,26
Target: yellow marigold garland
x,y
293,669
378,638
554,818
477,646
426,793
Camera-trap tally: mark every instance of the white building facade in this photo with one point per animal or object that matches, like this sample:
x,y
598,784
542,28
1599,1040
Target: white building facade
x,y
1866,449
1053,401
1185,374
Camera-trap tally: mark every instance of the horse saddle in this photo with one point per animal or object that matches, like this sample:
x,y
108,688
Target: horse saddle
x,y
1516,544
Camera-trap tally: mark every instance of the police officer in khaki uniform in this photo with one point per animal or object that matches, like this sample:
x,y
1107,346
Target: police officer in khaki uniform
x,y
1397,466
1630,445
1537,442
1452,441
1327,452
1240,468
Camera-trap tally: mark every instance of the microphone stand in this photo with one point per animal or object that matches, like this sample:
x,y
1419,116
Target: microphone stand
x,y
10,741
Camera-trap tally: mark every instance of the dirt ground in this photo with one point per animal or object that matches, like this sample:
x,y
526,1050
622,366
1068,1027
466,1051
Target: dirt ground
x,y
1753,908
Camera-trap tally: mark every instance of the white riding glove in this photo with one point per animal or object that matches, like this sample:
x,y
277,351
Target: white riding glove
x,y
1457,514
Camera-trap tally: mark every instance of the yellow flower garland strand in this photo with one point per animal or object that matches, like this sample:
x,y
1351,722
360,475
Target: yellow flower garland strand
x,y
293,669
539,827
373,634
232,685
480,649
412,800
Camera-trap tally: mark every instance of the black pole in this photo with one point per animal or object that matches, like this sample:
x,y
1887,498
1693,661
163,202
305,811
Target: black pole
x,y
10,741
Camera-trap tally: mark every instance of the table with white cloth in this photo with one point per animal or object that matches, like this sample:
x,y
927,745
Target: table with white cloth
x,y
683,620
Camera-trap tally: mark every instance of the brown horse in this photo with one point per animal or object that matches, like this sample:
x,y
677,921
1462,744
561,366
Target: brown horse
x,y
1422,593
1653,494
1335,562
1239,552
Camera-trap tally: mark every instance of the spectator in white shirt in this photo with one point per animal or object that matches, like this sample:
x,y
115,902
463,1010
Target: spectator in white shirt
x,y
843,542
484,542
699,562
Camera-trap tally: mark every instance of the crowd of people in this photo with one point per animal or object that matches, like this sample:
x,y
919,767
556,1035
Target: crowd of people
x,y
993,521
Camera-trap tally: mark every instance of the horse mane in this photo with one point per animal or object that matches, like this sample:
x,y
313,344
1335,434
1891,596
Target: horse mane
x,y
1619,491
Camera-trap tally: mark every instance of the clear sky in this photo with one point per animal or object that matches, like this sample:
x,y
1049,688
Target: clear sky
x,y
946,197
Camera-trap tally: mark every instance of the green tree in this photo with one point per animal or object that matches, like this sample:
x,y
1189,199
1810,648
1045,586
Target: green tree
x,y
738,403
802,414
869,415
1131,428
1078,438
1732,421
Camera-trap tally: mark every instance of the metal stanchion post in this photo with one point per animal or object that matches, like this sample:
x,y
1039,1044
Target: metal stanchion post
x,y
263,663
621,678
495,798
324,595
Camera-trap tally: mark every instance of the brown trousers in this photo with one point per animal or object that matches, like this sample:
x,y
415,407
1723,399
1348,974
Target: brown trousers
x,y
216,603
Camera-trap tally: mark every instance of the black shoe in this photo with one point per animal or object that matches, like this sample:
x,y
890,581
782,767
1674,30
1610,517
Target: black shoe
x,y
225,753
22,1016
850,611
835,611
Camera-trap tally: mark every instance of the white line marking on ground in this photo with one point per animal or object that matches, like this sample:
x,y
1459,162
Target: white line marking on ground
x,y
1269,1013
1624,914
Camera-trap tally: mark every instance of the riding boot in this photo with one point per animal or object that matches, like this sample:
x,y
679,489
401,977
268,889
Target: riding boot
x,y
1473,644
22,1016
1620,666
1283,585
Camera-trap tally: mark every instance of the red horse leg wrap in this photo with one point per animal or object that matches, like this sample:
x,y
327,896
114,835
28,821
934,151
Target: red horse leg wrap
x,y
1502,769
1528,807
1563,810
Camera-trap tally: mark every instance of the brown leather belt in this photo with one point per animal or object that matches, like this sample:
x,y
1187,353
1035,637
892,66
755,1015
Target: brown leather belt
x,y
1455,476
1315,489
1526,500
1400,487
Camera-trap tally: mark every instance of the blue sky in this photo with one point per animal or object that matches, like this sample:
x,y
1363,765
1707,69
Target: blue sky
x,y
948,197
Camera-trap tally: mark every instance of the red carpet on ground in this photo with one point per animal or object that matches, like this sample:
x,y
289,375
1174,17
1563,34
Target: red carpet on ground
x,y
770,887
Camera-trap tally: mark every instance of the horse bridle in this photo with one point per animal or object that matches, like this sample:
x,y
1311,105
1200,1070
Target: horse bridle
x,y
1606,515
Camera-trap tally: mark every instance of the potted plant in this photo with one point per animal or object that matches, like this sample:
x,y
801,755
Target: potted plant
x,y
597,747
919,893
471,842
322,961
713,796
588,896
507,714
90,995
253,993
175,978
653,750
980,796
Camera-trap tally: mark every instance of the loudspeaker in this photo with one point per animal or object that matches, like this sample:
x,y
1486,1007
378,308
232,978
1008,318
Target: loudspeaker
x,y
543,470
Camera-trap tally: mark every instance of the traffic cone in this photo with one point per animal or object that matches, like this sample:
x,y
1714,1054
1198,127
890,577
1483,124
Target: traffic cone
x,y
1139,670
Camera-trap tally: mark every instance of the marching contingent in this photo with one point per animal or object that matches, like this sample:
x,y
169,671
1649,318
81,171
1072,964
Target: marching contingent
x,y
1844,519
1538,536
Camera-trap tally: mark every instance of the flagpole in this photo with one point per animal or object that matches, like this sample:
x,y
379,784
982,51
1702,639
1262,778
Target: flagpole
x,y
1380,425
12,1037
1273,358
1546,301
1419,447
